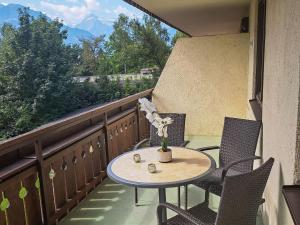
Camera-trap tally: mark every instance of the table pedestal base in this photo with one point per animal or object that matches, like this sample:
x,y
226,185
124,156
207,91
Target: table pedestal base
x,y
162,199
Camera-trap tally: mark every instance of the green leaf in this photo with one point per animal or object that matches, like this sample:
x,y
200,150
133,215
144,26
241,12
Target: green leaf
x,y
4,204
37,183
23,193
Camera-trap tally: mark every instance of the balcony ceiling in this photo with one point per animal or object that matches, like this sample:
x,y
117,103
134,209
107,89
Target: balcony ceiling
x,y
198,17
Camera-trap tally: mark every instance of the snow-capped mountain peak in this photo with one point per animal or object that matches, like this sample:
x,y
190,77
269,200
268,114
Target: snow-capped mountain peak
x,y
94,25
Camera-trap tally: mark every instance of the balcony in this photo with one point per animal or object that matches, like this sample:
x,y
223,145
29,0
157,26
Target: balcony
x,y
56,174
62,168
58,164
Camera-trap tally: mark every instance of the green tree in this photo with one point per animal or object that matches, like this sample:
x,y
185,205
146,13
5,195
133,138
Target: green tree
x,y
177,35
134,45
37,68
34,68
152,42
92,50
119,46
129,87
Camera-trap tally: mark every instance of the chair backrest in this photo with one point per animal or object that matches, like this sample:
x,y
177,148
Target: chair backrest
x,y
242,195
239,140
175,130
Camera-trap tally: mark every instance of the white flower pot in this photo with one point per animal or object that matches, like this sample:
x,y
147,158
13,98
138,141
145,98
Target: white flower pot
x,y
164,156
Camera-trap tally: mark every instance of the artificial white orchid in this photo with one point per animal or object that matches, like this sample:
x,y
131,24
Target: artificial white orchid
x,y
160,123
147,106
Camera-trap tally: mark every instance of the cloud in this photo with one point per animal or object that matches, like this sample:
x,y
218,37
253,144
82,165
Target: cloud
x,y
122,10
72,1
71,14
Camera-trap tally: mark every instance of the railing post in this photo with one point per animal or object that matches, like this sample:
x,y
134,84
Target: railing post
x,y
138,122
42,175
106,137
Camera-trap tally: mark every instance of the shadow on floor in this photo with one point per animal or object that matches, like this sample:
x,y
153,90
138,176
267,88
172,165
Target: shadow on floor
x,y
113,204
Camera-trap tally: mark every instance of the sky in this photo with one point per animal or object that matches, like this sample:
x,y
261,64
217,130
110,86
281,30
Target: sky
x,y
74,11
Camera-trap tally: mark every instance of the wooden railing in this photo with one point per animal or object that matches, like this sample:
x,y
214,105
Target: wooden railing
x,y
48,171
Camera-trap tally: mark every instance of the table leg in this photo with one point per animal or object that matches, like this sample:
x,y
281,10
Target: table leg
x,y
162,199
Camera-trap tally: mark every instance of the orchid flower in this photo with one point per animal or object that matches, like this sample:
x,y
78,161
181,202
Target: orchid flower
x,y
147,106
160,123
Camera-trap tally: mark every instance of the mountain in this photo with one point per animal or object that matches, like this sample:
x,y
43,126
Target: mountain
x,y
95,26
92,24
75,35
89,27
9,14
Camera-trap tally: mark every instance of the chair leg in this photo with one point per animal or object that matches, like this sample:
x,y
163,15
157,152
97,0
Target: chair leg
x,y
136,196
186,196
178,194
207,195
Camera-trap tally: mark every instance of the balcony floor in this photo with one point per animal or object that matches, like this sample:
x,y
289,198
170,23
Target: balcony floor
x,y
113,204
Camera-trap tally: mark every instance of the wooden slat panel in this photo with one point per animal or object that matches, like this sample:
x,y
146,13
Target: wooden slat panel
x,y
59,184
2,217
88,163
103,152
123,134
96,158
16,205
131,132
114,143
48,188
2,214
135,129
79,168
144,126
127,133
70,175
124,141
110,150
118,140
32,201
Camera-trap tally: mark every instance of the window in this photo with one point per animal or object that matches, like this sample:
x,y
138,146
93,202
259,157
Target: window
x,y
260,51
256,102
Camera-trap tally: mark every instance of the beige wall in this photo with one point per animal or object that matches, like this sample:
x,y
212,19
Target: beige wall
x,y
205,77
280,104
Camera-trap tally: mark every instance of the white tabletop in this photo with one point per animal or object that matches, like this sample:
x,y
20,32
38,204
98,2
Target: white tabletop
x,y
187,166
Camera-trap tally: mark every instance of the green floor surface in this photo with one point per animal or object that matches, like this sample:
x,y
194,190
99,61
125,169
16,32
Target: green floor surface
x,y
113,204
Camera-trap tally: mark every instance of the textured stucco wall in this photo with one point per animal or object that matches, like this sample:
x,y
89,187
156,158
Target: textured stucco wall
x,y
205,77
297,157
280,103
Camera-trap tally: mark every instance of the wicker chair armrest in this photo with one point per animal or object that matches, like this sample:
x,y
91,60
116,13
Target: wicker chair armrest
x,y
184,143
138,145
185,214
208,148
226,168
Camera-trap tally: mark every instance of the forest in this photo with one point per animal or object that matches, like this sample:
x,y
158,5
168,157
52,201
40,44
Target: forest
x,y
37,68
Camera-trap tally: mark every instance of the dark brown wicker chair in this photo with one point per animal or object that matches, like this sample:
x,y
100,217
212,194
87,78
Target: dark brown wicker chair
x,y
240,200
236,153
175,138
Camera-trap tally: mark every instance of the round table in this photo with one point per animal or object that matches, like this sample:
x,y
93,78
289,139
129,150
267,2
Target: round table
x,y
187,166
